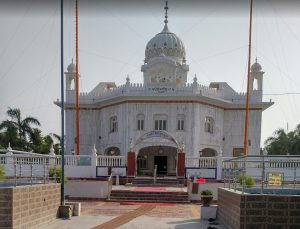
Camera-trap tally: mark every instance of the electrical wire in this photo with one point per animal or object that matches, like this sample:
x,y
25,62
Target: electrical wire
x,y
29,44
21,20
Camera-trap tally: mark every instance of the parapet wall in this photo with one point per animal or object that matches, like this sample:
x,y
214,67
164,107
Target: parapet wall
x,y
28,206
238,211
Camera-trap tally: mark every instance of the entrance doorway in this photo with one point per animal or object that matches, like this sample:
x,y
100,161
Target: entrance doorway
x,y
162,163
162,156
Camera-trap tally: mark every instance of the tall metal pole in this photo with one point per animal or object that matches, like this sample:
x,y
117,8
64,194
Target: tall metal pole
x,y
248,84
62,139
77,80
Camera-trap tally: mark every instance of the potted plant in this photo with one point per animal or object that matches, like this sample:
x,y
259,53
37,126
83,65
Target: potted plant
x,y
206,197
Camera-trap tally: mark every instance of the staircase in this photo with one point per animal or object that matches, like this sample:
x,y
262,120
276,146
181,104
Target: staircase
x,y
149,196
160,182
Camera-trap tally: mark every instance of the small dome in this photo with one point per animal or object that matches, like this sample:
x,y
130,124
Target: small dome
x,y
72,67
166,43
256,67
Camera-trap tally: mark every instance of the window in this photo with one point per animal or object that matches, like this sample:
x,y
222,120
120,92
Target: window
x,y
160,125
113,124
142,162
160,122
140,122
112,151
209,125
180,122
237,152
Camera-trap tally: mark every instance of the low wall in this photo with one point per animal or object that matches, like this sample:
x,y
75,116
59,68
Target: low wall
x,y
237,210
87,189
28,206
195,192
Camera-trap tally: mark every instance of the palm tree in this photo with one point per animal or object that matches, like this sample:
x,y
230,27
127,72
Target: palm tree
x,y
22,128
8,134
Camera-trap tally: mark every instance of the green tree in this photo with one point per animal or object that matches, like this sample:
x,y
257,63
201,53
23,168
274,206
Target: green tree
x,y
42,144
18,130
283,143
8,134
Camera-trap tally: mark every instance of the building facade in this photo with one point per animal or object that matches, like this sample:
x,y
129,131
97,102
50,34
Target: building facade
x,y
164,113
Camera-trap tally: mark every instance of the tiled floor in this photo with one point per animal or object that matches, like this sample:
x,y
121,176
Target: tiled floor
x,y
115,209
96,214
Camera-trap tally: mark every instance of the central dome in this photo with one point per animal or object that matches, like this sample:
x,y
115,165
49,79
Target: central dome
x,y
166,43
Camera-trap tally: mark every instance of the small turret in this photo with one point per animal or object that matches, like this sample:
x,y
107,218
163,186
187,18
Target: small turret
x,y
256,74
70,76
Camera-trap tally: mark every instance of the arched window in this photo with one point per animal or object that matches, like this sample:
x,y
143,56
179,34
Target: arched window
x,y
180,122
209,125
140,122
113,124
208,152
160,122
112,151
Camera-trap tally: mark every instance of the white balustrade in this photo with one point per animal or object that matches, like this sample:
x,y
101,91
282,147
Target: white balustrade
x,y
140,89
110,160
74,160
29,159
201,162
84,165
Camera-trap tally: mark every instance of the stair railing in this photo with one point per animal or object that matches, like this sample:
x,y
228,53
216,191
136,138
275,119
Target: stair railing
x,y
155,174
110,183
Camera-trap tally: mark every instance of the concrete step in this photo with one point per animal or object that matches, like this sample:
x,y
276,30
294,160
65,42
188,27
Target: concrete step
x,y
151,201
160,182
149,196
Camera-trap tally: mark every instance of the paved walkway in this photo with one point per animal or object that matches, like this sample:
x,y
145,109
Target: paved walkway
x,y
108,215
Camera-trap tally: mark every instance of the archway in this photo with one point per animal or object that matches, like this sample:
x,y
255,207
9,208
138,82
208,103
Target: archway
x,y
164,157
164,153
157,134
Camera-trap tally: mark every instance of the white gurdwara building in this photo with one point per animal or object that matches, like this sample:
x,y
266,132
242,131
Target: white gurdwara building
x,y
165,112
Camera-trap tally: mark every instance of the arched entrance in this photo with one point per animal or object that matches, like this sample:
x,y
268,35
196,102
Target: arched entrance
x,y
162,156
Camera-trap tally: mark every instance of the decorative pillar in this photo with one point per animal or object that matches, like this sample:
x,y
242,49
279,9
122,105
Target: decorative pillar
x,y
180,171
131,163
52,156
94,157
93,161
219,165
9,165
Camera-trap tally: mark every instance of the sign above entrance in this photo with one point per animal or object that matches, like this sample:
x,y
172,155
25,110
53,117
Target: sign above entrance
x,y
161,90
156,134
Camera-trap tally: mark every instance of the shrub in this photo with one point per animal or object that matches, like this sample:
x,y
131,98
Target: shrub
x,y
248,180
206,192
2,172
55,172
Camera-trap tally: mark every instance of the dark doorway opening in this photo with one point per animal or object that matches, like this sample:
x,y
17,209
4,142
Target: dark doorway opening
x,y
162,163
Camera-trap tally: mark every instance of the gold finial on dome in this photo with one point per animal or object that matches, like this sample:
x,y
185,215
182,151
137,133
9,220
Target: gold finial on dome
x,y
166,14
